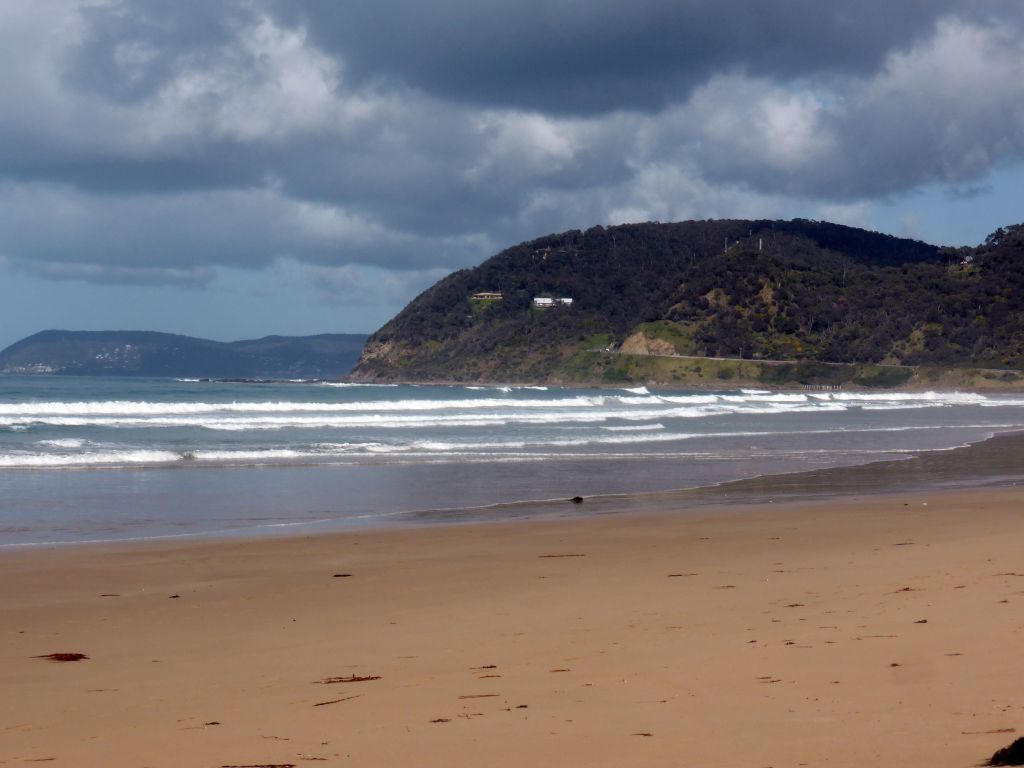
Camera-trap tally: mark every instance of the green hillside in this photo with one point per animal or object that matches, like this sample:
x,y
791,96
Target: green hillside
x,y
646,298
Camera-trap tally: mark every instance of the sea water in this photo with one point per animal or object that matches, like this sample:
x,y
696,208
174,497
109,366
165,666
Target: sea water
x,y
84,459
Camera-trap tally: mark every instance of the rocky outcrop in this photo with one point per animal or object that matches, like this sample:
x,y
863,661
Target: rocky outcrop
x,y
641,344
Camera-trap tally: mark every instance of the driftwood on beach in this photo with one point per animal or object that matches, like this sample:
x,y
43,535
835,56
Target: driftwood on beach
x,y
348,679
63,656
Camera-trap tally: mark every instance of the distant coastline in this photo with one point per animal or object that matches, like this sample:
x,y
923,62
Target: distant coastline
x,y
148,353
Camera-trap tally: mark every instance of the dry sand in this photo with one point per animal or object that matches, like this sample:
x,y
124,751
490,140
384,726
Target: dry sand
x,y
881,631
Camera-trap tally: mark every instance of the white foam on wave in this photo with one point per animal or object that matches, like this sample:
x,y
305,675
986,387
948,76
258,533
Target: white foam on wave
x,y
240,421
345,447
143,408
770,397
627,439
108,458
234,422
319,453
12,413
382,421
500,388
637,390
947,398
401,450
689,399
634,428
66,442
482,412
892,406
638,400
152,457
263,454
540,448
466,412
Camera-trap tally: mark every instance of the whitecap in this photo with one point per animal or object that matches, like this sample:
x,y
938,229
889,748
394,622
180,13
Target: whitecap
x,y
635,428
66,442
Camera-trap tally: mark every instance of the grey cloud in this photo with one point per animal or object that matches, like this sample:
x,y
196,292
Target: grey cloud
x,y
586,57
441,171
946,110
211,164
129,50
355,285
61,233
102,273
159,139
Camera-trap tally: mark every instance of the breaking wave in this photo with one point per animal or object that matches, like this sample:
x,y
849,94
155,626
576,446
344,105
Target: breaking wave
x,y
470,422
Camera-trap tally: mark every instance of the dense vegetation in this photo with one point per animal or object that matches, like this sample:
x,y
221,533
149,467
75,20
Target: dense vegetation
x,y
792,290
145,353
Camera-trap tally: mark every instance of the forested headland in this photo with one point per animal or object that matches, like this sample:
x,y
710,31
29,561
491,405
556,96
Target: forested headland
x,y
787,302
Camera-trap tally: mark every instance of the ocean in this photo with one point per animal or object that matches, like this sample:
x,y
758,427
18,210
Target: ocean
x,y
98,459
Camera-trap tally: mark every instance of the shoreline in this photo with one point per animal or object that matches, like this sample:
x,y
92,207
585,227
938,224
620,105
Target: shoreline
x,y
853,630
921,379
980,387
995,460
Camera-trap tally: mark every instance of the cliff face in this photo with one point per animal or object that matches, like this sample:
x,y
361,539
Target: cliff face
x,y
754,290
141,353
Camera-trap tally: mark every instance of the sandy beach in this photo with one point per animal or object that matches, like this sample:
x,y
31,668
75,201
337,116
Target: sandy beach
x,y
875,630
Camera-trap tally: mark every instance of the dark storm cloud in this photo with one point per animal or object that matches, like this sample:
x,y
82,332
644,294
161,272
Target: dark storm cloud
x,y
593,56
150,141
213,164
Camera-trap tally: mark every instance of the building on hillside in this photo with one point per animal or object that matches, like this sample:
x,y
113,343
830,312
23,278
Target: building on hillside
x,y
546,302
487,296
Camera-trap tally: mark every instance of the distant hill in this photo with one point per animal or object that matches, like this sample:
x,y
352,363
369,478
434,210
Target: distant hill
x,y
146,353
646,298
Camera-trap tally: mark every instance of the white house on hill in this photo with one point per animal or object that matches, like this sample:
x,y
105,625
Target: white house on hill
x,y
545,302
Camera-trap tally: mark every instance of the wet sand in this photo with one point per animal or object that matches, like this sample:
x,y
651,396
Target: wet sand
x,y
997,461
851,631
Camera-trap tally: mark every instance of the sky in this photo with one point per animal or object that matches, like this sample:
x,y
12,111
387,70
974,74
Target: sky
x,y
239,168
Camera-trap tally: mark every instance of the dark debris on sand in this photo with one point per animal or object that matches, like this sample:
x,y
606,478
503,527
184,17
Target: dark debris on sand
x,y
348,679
63,656
1011,755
